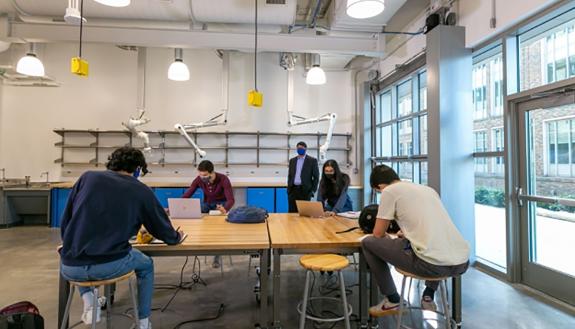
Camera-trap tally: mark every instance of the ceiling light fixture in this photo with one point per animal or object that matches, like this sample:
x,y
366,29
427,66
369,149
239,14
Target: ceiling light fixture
x,y
114,3
178,71
315,75
362,9
30,64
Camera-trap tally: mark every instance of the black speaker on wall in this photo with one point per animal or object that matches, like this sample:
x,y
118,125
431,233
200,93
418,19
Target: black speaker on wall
x,y
431,22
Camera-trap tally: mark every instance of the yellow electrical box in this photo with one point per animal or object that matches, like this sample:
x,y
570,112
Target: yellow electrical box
x,y
255,98
79,66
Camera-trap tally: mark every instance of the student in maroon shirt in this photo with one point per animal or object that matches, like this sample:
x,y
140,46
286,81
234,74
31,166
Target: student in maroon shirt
x,y
218,193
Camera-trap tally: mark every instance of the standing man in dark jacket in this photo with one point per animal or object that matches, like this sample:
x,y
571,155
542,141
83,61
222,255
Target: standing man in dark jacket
x,y
105,209
303,177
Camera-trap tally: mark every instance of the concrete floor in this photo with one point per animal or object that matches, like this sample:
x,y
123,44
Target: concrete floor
x,y
30,272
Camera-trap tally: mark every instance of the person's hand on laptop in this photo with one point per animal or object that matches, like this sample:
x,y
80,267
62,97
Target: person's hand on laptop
x,y
221,209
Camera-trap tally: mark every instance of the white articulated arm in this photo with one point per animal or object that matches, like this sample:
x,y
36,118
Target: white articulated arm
x,y
296,120
219,120
134,123
184,133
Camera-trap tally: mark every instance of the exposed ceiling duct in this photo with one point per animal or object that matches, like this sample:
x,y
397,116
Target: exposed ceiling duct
x,y
242,12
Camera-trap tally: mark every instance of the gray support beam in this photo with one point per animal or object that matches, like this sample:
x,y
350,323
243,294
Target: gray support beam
x,y
368,46
450,126
367,150
450,123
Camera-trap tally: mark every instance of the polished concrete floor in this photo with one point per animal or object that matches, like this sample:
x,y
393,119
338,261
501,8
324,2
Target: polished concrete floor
x,y
30,272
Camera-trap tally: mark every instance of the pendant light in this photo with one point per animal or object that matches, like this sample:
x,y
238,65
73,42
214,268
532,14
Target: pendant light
x,y
362,9
114,3
178,71
315,75
30,64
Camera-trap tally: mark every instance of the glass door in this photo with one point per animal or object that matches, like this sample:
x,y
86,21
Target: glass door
x,y
546,193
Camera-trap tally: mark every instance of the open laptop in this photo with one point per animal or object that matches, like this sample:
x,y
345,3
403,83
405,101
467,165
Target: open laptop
x,y
310,208
184,208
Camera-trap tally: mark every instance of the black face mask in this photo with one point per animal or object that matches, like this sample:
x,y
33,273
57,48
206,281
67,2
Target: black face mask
x,y
329,176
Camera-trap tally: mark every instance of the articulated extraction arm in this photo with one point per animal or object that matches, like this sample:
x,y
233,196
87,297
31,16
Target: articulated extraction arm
x,y
296,120
132,125
219,120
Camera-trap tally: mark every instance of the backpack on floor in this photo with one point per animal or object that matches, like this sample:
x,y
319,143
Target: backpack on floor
x,y
22,315
247,215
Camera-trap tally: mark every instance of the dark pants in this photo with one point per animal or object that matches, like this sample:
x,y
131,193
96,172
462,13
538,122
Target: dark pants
x,y
297,193
379,252
206,207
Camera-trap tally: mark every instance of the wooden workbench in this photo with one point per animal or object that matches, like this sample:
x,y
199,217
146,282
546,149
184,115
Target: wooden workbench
x,y
211,235
292,234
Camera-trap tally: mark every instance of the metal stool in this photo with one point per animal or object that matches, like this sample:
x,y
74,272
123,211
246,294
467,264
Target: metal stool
x,y
130,276
442,294
327,262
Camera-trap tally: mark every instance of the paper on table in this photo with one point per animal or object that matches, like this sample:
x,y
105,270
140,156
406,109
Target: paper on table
x,y
350,214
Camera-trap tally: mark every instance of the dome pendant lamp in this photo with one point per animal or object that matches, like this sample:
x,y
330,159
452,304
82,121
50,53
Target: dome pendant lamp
x,y
315,75
178,70
30,64
362,9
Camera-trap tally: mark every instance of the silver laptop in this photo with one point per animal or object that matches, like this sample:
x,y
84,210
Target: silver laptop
x,y
310,208
184,208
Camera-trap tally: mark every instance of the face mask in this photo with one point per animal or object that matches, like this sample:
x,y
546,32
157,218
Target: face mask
x,y
301,151
329,176
136,173
205,179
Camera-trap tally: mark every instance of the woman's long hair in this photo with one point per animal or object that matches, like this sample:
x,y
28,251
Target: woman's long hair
x,y
332,187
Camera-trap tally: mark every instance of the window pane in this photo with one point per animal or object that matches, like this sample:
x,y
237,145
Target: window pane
x,y
423,91
404,100
405,138
386,108
386,141
423,134
490,226
423,173
406,171
546,58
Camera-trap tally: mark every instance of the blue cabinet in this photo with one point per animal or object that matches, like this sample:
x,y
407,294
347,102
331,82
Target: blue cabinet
x,y
261,197
281,200
165,193
58,200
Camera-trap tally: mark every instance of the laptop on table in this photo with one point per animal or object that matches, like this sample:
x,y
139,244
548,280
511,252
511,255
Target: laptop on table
x,y
183,208
310,209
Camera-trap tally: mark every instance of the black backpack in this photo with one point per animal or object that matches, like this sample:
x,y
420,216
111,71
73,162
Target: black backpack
x,y
367,219
22,315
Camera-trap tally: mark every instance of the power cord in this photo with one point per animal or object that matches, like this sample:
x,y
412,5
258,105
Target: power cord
x,y
183,285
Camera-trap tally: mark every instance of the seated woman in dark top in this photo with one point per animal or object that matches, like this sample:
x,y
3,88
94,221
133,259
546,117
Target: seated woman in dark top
x,y
333,189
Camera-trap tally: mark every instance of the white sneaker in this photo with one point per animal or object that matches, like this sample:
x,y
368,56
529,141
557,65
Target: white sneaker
x,y
145,324
428,304
384,308
87,315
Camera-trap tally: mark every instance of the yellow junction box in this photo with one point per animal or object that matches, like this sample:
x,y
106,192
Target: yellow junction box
x,y
255,98
79,66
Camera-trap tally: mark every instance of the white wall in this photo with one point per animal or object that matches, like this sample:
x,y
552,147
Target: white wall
x,y
108,96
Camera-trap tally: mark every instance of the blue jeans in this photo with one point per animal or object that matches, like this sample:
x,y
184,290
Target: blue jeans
x,y
206,207
135,260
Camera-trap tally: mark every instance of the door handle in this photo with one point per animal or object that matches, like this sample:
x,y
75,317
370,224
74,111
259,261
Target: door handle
x,y
519,193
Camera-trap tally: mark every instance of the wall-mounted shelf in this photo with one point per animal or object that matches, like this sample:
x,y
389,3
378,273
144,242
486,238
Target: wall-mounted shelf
x,y
92,142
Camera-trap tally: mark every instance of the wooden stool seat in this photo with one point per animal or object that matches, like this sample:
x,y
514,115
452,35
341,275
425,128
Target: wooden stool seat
x,y
325,262
103,282
419,277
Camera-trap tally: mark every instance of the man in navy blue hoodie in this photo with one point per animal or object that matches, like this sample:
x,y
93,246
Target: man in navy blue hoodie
x,y
105,209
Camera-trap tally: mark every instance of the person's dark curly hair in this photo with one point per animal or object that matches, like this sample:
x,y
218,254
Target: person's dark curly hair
x,y
127,159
